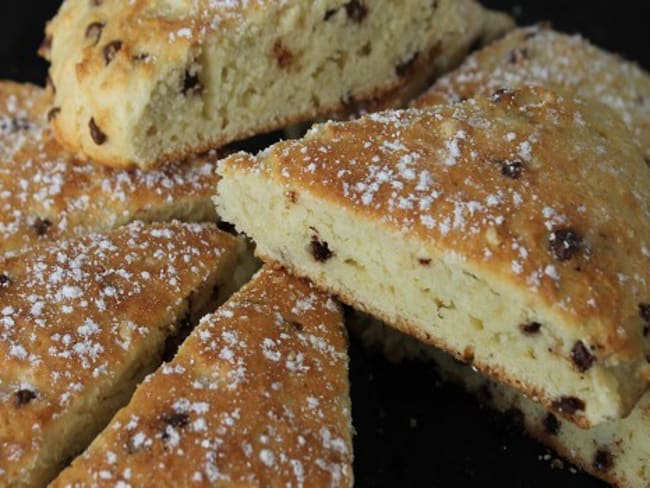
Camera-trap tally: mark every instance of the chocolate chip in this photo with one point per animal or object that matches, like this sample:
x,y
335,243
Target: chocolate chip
x,y
551,424
96,133
23,397
54,111
405,68
4,280
569,405
320,250
291,196
424,261
582,357
603,460
296,325
175,419
96,3
192,84
512,169
41,226
141,57
564,244
282,55
530,328
356,11
329,14
94,32
518,55
501,94
110,50
644,311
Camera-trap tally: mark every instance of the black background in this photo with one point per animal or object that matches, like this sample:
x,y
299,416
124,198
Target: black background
x,y
413,431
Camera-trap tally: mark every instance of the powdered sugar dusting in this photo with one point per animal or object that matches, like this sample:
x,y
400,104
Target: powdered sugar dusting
x,y
42,184
77,314
235,401
509,184
540,56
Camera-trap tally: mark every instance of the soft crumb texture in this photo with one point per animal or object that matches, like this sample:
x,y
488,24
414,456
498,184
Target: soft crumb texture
x,y
539,56
82,322
139,82
502,229
616,451
257,396
47,194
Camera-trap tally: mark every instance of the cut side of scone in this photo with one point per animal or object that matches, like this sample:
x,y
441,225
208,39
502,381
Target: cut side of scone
x,y
257,396
139,82
83,321
47,194
540,56
512,231
616,452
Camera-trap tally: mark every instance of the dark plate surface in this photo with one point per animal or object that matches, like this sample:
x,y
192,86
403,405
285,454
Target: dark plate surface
x,y
413,431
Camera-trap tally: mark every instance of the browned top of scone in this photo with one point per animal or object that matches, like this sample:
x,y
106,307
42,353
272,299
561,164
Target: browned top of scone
x,y
47,194
548,197
71,311
540,56
257,396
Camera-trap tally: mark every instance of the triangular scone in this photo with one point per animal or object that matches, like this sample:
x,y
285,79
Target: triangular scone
x,y
139,82
540,56
83,321
513,231
46,194
257,396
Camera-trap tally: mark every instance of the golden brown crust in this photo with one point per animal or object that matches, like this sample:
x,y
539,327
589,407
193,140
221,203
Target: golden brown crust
x,y
73,311
492,180
47,194
257,396
539,56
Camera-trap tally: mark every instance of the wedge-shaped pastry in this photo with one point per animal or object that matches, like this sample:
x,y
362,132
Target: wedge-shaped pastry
x,y
47,194
512,230
140,82
83,321
616,451
257,396
540,56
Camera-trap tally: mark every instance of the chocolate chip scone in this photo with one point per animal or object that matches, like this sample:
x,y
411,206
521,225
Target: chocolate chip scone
x,y
140,82
616,451
47,194
83,321
512,231
257,396
540,56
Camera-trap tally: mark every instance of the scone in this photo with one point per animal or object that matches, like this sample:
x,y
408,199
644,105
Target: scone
x,y
540,56
83,321
616,451
257,396
512,231
140,82
47,194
